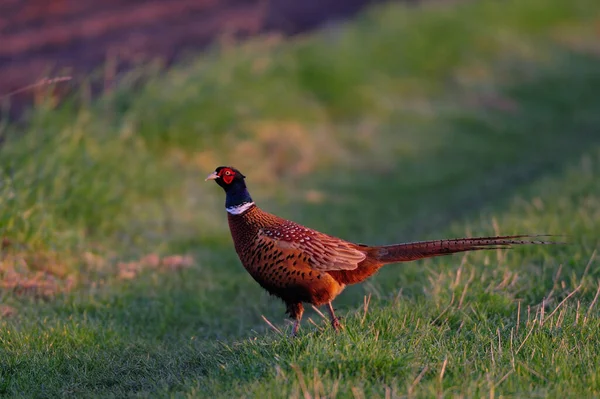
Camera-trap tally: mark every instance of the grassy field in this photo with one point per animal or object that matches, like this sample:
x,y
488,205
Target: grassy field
x,y
118,277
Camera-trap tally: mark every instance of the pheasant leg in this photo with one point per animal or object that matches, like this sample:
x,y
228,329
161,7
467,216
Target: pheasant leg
x,y
296,327
295,310
335,322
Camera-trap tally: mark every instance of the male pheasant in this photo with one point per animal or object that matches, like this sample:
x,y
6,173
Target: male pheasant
x,y
301,265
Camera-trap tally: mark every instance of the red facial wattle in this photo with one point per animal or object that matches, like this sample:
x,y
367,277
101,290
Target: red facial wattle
x,y
227,175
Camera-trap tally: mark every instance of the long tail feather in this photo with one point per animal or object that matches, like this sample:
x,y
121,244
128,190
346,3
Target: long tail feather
x,y
427,249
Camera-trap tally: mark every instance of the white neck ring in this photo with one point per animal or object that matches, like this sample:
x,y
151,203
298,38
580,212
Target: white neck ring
x,y
239,209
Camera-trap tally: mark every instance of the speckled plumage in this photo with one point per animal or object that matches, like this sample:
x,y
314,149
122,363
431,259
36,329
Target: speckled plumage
x,y
270,250
301,265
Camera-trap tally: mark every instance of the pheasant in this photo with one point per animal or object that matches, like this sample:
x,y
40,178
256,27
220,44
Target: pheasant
x,y
301,265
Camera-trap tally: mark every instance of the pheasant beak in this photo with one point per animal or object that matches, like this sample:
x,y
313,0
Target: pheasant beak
x,y
212,176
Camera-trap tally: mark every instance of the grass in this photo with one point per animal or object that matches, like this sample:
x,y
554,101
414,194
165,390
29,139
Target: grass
x,y
118,277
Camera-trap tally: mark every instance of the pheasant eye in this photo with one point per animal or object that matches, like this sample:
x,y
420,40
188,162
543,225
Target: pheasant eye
x,y
228,176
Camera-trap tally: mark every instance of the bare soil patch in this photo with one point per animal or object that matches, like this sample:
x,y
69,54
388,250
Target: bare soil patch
x,y
40,38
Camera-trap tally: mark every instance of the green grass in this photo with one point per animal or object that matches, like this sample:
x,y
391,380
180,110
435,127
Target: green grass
x,y
404,124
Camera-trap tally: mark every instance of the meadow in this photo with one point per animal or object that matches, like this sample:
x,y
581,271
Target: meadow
x,y
118,277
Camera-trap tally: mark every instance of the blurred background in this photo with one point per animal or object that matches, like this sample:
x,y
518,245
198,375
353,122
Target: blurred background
x,y
434,115
40,38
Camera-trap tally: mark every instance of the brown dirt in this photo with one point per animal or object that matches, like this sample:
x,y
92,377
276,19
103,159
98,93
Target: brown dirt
x,y
41,38
7,311
44,276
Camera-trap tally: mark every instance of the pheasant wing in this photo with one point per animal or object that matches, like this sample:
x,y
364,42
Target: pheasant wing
x,y
321,251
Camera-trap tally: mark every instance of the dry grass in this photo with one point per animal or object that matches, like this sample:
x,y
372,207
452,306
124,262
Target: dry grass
x,y
38,274
130,270
41,275
7,311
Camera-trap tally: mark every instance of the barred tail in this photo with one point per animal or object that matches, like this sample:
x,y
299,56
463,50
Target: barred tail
x,y
427,249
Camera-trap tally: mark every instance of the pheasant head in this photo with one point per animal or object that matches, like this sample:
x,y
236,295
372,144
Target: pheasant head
x,y
237,199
